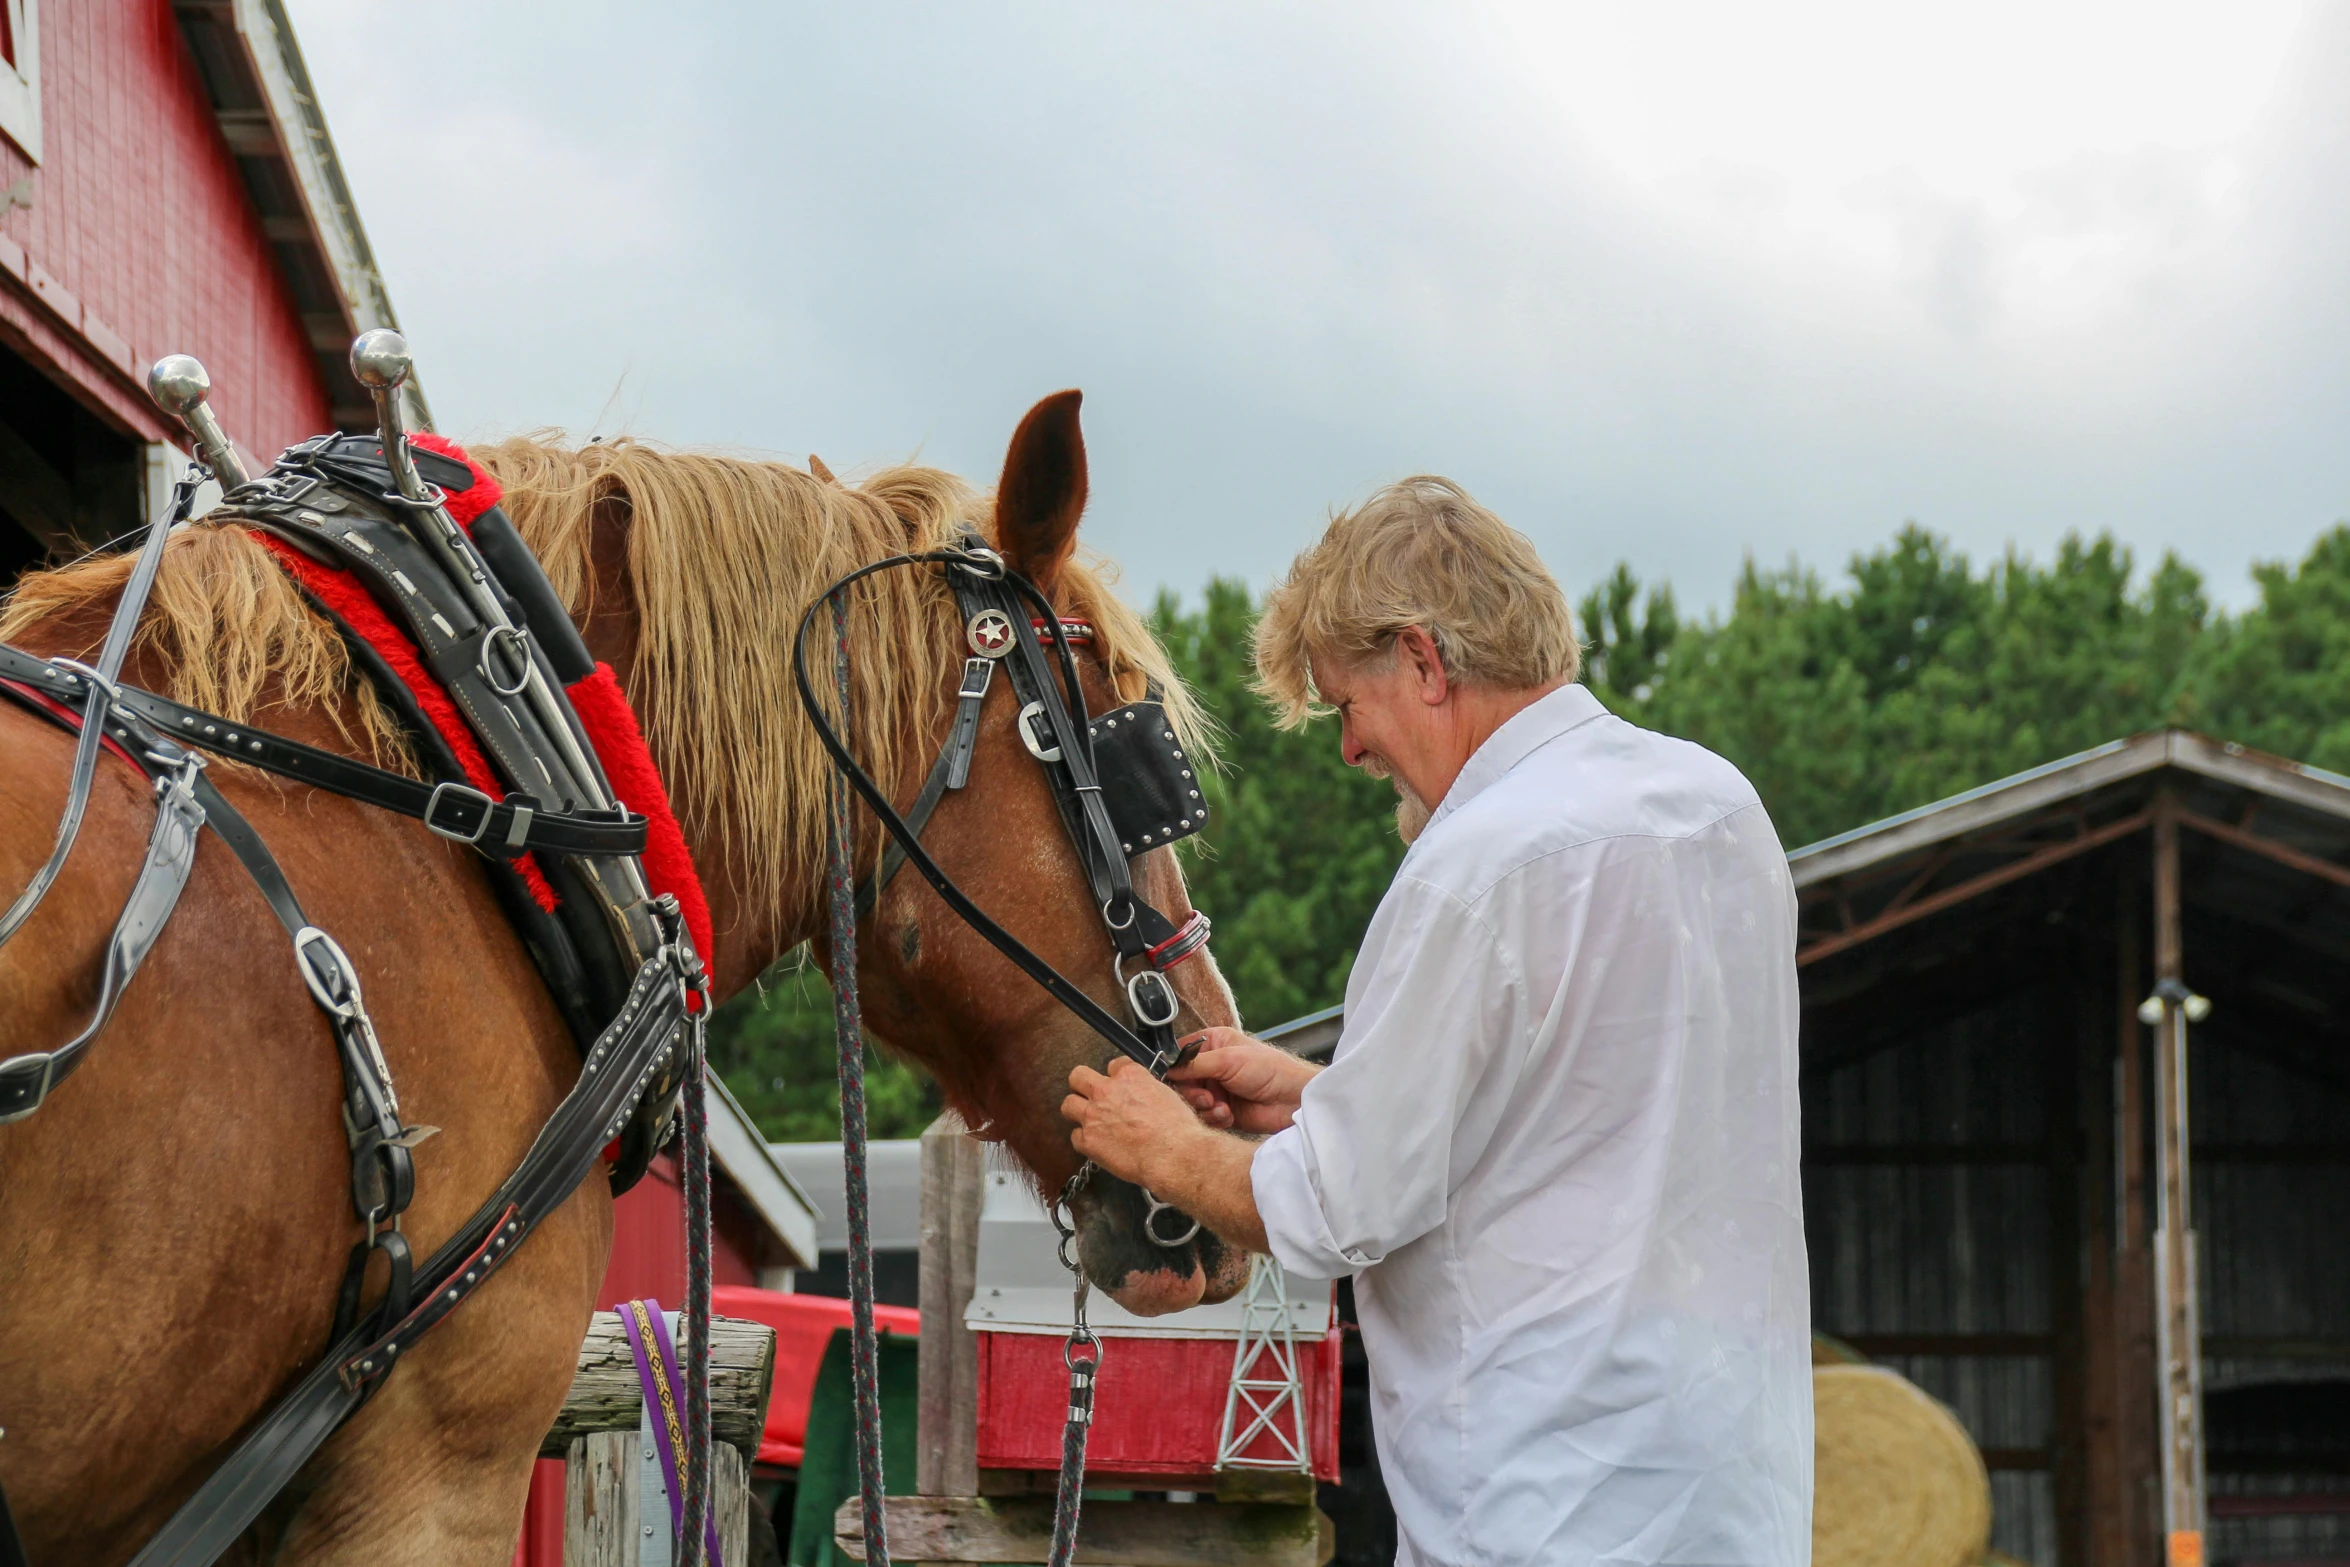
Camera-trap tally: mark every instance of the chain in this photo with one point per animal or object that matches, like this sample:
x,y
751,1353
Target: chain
x,y
1082,1354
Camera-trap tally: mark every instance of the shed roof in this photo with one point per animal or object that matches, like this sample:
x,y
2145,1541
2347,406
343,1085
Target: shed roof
x,y
1932,913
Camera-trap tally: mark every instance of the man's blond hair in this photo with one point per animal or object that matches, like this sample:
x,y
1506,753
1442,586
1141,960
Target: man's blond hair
x,y
1418,553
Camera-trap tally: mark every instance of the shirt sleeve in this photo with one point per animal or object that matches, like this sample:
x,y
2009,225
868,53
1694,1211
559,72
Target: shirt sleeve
x,y
1387,1131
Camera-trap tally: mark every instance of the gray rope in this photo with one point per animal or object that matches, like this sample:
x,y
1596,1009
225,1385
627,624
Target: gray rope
x,y
694,1505
849,1037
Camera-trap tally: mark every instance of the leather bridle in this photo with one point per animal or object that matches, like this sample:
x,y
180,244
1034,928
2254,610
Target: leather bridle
x,y
1104,826
997,604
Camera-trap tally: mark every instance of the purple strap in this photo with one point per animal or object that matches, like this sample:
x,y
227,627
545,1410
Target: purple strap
x,y
650,1383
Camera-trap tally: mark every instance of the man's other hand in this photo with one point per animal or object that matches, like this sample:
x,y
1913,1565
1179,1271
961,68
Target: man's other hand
x,y
1241,1083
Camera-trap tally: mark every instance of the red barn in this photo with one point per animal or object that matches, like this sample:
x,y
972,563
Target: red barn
x,y
167,185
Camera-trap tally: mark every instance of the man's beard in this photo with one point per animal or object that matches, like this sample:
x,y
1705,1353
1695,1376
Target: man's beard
x,y
1411,812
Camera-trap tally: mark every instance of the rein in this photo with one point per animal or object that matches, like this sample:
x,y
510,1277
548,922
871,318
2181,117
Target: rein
x,y
1055,728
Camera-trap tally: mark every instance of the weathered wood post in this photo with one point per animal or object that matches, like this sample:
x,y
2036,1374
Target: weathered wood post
x,y
597,1435
953,1163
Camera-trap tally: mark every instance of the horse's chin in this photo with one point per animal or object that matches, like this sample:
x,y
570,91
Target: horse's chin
x,y
1227,1270
1161,1290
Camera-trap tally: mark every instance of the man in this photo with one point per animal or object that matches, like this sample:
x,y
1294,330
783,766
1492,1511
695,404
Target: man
x,y
1557,1144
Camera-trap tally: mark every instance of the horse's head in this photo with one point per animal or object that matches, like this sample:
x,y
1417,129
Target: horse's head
x,y
1001,1047
688,573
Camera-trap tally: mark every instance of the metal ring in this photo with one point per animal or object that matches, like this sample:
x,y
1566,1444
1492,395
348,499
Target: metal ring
x,y
1081,1338
1150,1222
1116,924
982,562
97,680
519,639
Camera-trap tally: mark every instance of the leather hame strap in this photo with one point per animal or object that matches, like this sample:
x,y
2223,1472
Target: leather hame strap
x,y
513,826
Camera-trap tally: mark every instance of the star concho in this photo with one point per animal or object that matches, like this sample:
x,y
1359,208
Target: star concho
x,y
990,633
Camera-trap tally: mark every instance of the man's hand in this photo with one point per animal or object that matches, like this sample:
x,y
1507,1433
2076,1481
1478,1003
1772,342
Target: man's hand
x,y
1128,1122
1242,1083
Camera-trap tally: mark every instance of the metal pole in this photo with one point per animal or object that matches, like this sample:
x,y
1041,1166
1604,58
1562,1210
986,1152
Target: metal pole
x,y
2179,1369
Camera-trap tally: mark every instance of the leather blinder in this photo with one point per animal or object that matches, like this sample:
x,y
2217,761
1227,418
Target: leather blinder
x,y
1149,783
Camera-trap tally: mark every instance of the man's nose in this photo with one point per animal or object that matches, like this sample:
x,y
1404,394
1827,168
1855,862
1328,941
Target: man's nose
x,y
1350,750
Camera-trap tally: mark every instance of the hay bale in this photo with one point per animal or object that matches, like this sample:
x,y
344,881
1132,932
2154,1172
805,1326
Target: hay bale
x,y
1898,1482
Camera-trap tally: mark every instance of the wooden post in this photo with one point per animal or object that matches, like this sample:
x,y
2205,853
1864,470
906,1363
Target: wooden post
x,y
953,1164
2131,1541
596,1435
603,1518
2179,1410
2068,1008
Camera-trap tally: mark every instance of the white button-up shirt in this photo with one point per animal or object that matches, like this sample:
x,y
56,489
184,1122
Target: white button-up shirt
x,y
1557,1149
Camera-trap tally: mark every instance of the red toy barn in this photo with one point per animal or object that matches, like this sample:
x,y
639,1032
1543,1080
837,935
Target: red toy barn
x,y
1166,1385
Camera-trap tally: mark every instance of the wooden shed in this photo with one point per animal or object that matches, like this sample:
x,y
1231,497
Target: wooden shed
x,y
2077,1141
167,185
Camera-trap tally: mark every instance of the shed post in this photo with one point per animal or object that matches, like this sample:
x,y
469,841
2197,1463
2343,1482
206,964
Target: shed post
x,y
2179,1388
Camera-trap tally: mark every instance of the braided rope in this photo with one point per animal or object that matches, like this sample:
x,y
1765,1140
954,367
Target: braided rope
x,y
849,1037
694,1509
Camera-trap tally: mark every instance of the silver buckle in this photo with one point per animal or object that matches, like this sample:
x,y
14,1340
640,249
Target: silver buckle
x,y
346,1006
461,792
1166,995
977,674
1036,747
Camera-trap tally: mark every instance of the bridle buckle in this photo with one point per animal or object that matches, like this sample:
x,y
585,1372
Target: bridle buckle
x,y
462,793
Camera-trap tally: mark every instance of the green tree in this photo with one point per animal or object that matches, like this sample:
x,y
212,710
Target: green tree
x,y
2279,678
1299,846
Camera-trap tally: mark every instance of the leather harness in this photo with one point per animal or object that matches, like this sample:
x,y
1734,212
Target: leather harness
x,y
620,961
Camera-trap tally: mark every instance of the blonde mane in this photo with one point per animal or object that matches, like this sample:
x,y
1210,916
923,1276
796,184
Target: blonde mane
x,y
724,553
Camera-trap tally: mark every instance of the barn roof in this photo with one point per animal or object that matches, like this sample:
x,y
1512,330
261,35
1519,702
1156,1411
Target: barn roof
x,y
269,113
1938,911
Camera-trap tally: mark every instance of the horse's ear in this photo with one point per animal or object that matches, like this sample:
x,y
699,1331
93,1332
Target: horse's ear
x,y
1043,491
817,469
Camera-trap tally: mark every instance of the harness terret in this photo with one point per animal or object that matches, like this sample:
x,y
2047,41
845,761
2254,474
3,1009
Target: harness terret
x,y
621,962
1123,786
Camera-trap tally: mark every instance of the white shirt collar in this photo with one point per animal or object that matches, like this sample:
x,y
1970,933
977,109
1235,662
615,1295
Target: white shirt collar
x,y
1528,730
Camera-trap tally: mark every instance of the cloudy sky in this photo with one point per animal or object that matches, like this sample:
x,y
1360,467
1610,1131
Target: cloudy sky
x,y
1671,283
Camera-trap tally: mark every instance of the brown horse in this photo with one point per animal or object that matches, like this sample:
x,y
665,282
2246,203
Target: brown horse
x,y
173,1222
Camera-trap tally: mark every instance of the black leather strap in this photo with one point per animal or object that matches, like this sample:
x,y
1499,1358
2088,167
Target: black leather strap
x,y
509,827
952,770
623,1062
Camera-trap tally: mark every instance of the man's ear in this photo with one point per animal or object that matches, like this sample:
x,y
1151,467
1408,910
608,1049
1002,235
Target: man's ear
x,y
1418,652
1043,491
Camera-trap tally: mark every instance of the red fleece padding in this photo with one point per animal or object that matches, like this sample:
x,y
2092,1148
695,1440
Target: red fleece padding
x,y
669,867
342,593
463,505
